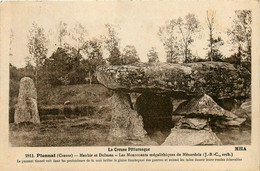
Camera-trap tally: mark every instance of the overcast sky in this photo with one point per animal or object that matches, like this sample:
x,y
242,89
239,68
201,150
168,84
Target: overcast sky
x,y
138,21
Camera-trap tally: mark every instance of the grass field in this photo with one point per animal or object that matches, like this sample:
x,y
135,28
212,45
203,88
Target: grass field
x,y
70,132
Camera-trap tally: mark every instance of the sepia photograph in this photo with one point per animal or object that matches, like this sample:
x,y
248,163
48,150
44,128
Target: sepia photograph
x,y
120,74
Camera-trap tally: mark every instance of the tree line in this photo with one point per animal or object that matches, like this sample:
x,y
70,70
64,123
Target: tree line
x,y
177,35
76,63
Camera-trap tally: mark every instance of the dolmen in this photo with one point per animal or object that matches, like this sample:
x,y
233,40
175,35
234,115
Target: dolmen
x,y
200,84
26,109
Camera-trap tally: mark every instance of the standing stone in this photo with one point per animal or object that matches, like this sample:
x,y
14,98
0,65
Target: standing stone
x,y
125,122
26,108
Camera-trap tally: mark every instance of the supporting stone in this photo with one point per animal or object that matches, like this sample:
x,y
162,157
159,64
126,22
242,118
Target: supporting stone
x,y
26,108
191,137
125,122
192,131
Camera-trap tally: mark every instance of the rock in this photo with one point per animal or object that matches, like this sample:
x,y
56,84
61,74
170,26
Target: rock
x,y
244,111
125,122
246,105
26,108
217,79
236,122
176,103
192,123
203,106
67,102
176,118
134,97
191,137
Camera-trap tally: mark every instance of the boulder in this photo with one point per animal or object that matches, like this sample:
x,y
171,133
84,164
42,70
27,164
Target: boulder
x,y
244,111
246,105
203,106
26,107
190,137
192,123
217,79
125,122
176,103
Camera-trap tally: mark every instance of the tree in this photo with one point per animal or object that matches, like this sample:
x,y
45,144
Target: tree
x,y
15,77
169,39
188,29
152,55
37,45
11,43
214,54
115,57
95,58
62,31
177,36
79,34
214,43
112,44
58,66
241,34
129,55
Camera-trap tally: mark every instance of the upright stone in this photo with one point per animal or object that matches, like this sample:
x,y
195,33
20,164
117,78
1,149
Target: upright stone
x,y
26,107
125,121
192,131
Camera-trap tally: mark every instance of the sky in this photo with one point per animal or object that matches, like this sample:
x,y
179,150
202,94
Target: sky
x,y
139,23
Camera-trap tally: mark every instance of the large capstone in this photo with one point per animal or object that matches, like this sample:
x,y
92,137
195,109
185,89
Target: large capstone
x,y
125,122
26,107
156,111
217,79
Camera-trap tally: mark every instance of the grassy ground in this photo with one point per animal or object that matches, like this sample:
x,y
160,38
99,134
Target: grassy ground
x,y
70,132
